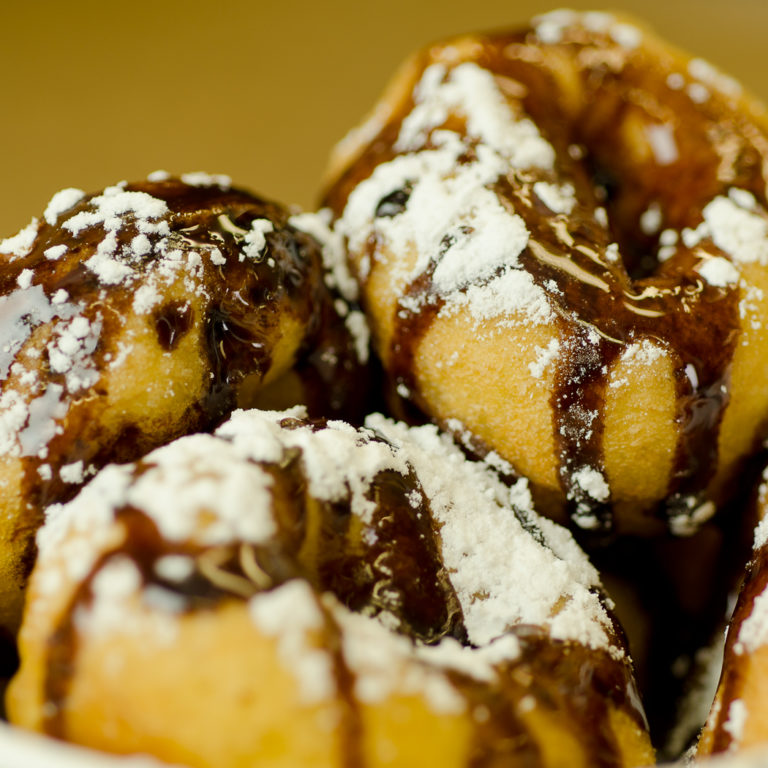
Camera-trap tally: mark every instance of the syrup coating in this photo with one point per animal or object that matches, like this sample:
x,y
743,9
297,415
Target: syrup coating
x,y
737,719
136,315
321,596
561,237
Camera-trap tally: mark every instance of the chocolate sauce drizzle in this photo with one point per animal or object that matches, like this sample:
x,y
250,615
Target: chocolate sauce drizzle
x,y
601,307
733,676
393,565
574,686
243,305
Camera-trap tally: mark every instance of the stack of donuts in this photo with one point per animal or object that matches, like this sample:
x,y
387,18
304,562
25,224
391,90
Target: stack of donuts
x,y
232,534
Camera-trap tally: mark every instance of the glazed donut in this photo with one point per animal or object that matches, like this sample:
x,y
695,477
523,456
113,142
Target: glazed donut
x,y
738,718
561,237
140,314
320,595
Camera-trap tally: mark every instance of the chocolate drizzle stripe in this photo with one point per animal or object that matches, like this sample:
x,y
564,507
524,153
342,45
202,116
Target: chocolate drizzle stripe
x,y
733,680
236,310
351,728
410,327
645,298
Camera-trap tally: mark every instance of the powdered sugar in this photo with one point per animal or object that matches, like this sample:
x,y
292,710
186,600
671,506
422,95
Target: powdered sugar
x,y
216,506
736,225
108,209
663,145
202,179
592,483
72,473
544,357
13,415
180,498
289,613
385,664
42,424
255,240
55,252
651,218
451,215
23,310
24,280
718,271
207,489
709,75
753,633
61,202
339,462
551,28
338,275
478,531
71,352
734,725
21,244
558,198
626,35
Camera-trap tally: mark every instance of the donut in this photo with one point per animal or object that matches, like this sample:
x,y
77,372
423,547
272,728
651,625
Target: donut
x,y
142,313
737,719
561,238
303,593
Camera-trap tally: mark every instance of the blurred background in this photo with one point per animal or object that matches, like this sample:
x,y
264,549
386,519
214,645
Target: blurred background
x,y
94,92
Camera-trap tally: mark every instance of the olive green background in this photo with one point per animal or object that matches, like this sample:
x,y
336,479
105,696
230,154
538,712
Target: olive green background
x,y
95,92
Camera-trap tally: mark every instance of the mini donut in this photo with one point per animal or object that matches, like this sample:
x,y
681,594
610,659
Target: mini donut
x,y
139,314
738,718
561,237
319,595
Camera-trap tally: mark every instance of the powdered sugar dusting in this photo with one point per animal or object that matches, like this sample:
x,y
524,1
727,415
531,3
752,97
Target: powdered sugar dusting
x,y
21,244
734,725
107,209
216,506
592,482
13,415
736,225
180,498
290,613
202,179
61,202
451,215
478,532
708,74
209,489
663,144
71,352
255,240
718,271
626,35
385,663
337,275
753,633
558,198
544,357
471,91
650,219
340,462
552,28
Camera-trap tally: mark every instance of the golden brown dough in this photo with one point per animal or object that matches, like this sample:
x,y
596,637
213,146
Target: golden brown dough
x,y
562,238
301,603
139,314
738,719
